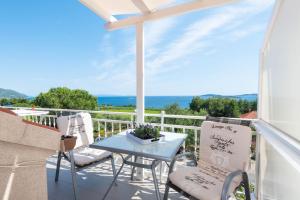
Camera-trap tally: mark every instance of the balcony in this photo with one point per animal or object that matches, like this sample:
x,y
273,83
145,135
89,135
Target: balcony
x,y
94,181
276,172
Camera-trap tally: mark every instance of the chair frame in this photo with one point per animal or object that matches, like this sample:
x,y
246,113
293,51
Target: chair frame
x,y
75,168
228,180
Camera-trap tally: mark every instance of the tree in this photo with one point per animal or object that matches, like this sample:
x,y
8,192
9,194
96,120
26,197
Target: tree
x,y
220,107
4,102
199,106
66,98
216,107
196,104
231,108
18,102
253,105
174,109
247,106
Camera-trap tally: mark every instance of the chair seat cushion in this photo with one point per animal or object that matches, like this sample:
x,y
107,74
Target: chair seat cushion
x,y
84,156
204,182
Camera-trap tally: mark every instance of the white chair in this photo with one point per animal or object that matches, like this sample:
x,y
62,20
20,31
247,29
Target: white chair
x,y
82,156
223,159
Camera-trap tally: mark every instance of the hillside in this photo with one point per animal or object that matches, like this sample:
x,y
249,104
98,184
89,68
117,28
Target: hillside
x,y
249,97
6,93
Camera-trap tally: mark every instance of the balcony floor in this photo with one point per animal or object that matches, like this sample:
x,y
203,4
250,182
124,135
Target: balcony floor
x,y
93,182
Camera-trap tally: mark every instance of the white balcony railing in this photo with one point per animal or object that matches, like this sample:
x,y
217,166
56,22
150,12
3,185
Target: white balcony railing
x,y
106,125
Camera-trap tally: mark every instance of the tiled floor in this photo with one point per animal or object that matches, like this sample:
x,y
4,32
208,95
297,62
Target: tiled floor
x,y
94,181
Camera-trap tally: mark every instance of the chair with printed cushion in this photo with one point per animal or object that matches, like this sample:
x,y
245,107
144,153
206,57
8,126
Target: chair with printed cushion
x,y
223,160
82,156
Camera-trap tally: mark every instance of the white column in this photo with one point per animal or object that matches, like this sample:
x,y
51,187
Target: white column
x,y
140,98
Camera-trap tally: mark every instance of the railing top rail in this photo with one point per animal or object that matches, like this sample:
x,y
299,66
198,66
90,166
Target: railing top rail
x,y
72,110
178,126
112,120
176,116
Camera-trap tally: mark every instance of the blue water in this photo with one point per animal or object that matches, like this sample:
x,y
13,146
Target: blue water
x,y
150,101
160,101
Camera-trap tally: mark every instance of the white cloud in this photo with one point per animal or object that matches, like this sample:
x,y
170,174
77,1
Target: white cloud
x,y
155,32
195,35
102,76
238,34
117,67
166,50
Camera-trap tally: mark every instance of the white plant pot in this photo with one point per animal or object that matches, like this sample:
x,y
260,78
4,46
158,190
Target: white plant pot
x,y
141,141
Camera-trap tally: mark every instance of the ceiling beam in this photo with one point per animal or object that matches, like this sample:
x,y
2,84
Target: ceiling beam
x,y
167,12
140,4
96,8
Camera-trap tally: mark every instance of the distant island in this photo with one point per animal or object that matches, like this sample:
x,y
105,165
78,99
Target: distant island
x,y
248,97
10,94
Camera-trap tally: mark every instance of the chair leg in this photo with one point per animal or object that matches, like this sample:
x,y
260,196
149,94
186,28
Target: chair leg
x,y
113,167
166,191
73,173
58,166
246,186
155,182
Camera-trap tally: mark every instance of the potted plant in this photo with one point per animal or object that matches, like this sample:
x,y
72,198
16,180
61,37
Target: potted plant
x,y
145,134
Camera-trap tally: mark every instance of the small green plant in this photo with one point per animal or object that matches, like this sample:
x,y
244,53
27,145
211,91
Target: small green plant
x,y
240,193
146,132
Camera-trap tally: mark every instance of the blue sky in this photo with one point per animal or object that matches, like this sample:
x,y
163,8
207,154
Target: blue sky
x,y
53,43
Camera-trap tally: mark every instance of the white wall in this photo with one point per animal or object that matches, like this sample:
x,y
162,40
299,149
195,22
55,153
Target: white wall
x,y
279,106
279,179
281,70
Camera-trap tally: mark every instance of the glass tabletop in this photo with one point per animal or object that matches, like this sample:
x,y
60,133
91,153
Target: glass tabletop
x,y
164,150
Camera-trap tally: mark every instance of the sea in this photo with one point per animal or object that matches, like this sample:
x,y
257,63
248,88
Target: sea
x,y
163,101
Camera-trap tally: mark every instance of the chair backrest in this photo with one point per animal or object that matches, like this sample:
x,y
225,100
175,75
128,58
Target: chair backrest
x,y
225,145
227,120
80,125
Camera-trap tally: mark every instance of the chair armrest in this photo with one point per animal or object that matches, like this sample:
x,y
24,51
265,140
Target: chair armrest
x,y
228,180
180,156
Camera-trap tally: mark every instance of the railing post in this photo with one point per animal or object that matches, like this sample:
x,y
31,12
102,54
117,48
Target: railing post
x,y
99,129
195,138
105,129
131,119
54,122
162,120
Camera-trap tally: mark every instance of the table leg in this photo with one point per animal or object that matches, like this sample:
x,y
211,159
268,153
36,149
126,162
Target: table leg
x,y
113,167
114,180
133,168
139,170
155,180
160,171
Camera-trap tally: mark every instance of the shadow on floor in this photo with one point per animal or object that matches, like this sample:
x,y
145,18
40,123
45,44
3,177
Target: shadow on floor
x,y
93,182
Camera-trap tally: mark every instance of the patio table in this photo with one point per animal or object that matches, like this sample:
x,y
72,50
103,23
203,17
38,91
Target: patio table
x,y
158,151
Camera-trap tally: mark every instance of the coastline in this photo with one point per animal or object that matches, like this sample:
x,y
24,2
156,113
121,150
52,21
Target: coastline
x,y
160,102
